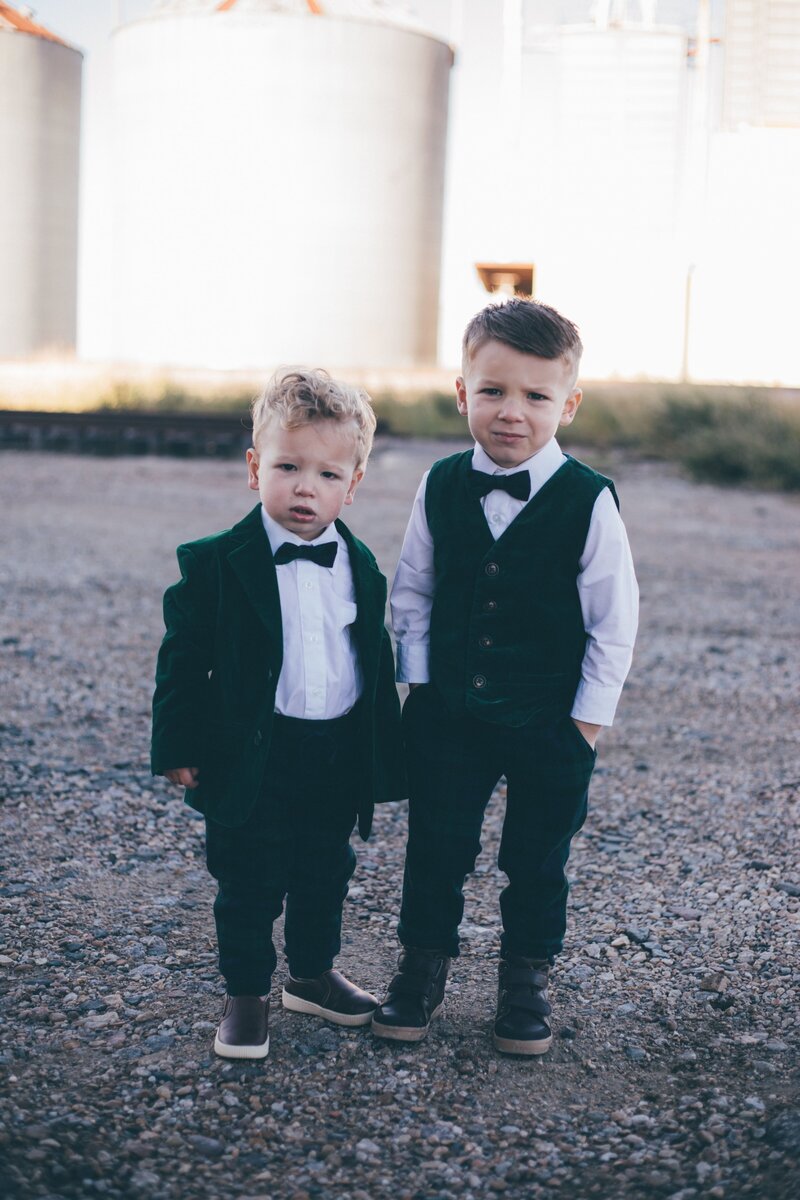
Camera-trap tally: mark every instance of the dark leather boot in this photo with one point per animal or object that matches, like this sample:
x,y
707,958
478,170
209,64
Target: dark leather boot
x,y
521,1025
414,997
243,1030
330,996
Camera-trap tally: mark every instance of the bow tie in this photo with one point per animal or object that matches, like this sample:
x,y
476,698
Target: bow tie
x,y
323,555
517,485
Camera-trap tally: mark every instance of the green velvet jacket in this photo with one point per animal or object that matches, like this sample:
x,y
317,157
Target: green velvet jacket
x,y
218,670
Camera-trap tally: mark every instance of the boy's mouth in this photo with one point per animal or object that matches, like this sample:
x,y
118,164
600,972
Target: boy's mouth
x,y
299,510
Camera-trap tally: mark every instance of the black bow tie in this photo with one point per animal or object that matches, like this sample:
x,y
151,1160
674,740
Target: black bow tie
x,y
517,485
323,555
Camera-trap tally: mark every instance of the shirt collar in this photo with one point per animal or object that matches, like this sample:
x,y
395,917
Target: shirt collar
x,y
540,466
277,535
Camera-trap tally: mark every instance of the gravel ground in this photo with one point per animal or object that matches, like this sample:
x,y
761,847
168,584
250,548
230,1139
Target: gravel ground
x,y
674,1070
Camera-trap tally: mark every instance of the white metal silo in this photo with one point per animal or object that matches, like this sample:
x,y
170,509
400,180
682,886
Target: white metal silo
x,y
604,157
40,103
279,184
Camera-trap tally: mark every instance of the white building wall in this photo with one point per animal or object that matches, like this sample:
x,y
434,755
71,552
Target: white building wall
x,y
279,191
40,100
744,293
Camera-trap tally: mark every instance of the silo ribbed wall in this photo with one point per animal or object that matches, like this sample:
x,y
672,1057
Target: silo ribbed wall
x,y
40,98
279,190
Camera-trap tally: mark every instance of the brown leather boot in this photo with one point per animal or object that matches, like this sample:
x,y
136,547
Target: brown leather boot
x,y
521,1025
414,997
331,997
244,1029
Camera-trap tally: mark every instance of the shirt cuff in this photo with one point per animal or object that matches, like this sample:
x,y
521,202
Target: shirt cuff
x,y
412,662
595,703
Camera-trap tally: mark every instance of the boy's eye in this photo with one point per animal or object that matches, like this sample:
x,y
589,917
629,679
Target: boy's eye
x,y
329,475
285,466
536,396
490,391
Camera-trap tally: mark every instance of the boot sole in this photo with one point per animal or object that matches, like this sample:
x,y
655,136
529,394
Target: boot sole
x,y
224,1050
296,1004
404,1033
522,1046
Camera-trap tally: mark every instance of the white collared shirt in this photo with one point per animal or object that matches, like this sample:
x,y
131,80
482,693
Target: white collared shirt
x,y
607,588
320,678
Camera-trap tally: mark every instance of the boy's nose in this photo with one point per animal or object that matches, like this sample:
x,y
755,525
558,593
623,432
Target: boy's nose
x,y
304,487
511,409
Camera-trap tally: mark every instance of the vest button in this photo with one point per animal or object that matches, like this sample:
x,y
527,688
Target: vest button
x,y
486,642
490,606
479,681
492,568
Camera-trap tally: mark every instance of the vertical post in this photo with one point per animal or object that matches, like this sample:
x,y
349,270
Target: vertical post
x,y
687,323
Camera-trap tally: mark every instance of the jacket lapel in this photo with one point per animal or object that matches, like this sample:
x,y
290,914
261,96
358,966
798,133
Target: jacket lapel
x,y
252,562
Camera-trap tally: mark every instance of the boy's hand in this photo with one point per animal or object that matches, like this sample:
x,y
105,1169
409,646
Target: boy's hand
x,y
589,732
184,776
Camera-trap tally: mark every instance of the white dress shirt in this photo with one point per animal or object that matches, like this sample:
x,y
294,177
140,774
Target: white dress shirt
x,y
607,589
320,678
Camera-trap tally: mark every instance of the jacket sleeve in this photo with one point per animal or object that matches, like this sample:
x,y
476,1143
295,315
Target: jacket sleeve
x,y
391,782
184,661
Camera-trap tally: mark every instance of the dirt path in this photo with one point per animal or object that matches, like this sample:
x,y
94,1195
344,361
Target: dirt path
x,y
676,1066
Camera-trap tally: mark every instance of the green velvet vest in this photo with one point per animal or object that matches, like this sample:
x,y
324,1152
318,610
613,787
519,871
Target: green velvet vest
x,y
507,633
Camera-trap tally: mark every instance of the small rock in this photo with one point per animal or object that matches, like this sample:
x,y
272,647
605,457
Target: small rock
x,y
716,982
637,933
208,1147
783,1131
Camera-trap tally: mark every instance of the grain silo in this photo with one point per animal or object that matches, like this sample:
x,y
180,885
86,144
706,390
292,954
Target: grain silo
x,y
604,158
279,184
40,103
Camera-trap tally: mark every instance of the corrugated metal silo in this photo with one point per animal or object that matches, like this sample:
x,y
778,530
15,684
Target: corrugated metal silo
x,y
279,184
605,162
40,103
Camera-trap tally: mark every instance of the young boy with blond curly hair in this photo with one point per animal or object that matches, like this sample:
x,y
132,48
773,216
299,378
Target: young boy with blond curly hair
x,y
276,709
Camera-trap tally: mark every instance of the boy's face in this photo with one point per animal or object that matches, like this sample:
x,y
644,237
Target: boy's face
x,y
515,402
305,476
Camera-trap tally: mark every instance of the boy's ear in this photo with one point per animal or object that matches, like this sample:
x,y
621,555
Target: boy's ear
x,y
571,406
252,469
461,396
354,482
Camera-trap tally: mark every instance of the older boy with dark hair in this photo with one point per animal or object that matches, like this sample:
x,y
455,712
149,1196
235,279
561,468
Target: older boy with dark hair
x,y
276,708
515,610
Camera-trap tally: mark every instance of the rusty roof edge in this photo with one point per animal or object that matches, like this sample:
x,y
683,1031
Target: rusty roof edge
x,y
15,20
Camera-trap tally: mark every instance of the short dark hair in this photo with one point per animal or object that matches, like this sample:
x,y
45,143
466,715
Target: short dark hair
x,y
527,326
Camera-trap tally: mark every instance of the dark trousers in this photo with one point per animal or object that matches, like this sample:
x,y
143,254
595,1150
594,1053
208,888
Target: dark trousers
x,y
295,845
454,764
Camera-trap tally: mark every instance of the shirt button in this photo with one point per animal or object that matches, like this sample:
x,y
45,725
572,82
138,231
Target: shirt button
x,y
485,641
496,518
479,681
492,569
490,606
